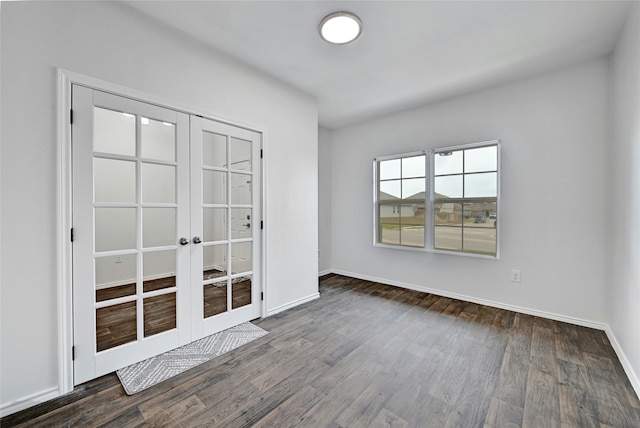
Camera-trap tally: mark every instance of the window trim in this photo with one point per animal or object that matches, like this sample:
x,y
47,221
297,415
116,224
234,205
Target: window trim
x,y
429,204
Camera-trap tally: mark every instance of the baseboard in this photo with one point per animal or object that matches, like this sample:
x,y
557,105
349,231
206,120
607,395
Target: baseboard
x,y
293,304
29,401
626,365
325,272
491,303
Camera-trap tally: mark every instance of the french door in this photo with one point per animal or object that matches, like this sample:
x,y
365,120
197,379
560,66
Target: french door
x,y
165,244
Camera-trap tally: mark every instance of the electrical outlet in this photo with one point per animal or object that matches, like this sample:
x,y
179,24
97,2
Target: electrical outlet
x,y
515,275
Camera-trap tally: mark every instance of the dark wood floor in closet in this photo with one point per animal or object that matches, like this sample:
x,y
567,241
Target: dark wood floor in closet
x,y
367,355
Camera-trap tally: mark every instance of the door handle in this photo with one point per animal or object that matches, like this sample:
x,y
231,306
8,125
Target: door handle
x,y
197,240
247,225
184,241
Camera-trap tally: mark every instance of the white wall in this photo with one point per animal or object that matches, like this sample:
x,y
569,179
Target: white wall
x,y
624,283
324,200
553,224
113,42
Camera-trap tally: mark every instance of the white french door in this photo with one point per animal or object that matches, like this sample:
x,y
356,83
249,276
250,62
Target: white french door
x,y
165,249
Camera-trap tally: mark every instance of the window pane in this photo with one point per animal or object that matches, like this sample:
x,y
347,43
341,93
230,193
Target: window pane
x,y
412,225
480,214
241,257
413,167
158,140
481,159
389,190
413,188
159,314
389,216
481,185
448,238
448,213
448,163
389,169
449,186
214,261
480,240
159,270
240,189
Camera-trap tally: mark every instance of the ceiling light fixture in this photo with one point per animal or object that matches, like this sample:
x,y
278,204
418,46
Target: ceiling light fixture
x,y
340,27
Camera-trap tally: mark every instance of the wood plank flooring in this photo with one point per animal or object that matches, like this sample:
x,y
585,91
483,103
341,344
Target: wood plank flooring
x,y
371,355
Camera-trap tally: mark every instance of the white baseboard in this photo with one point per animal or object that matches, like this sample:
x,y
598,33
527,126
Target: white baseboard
x,y
493,304
324,272
29,401
293,304
626,365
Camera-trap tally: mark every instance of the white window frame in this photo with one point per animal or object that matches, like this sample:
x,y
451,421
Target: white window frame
x,y
429,227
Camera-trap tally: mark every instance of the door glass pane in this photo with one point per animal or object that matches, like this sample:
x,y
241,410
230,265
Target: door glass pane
x,y
389,190
114,132
115,180
214,149
240,223
481,185
115,276
413,188
159,314
214,190
115,325
214,224
240,189
158,183
215,298
449,186
390,169
214,261
241,257
240,292
447,163
158,227
158,270
448,238
481,159
158,140
115,229
413,166
240,154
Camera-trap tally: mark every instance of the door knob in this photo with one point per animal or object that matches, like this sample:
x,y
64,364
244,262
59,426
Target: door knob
x,y
197,240
184,241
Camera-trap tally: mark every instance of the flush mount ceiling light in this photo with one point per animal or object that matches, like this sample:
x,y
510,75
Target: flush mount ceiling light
x,y
340,27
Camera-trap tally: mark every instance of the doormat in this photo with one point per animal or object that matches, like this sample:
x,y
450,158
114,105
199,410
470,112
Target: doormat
x,y
142,375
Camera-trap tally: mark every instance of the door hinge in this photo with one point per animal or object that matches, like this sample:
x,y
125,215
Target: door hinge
x,y
261,224
261,154
73,353
262,295
71,116
72,234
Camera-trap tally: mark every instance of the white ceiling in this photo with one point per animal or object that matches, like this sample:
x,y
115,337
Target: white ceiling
x,y
409,53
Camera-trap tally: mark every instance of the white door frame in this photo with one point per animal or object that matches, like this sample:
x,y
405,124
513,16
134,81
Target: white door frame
x,y
64,209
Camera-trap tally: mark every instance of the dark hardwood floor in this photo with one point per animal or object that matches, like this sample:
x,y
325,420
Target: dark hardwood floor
x,y
368,355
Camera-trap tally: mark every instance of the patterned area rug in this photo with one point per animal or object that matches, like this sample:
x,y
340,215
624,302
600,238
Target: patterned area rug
x,y
144,374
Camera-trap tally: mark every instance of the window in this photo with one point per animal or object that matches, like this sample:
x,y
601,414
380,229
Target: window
x,y
459,214
400,197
